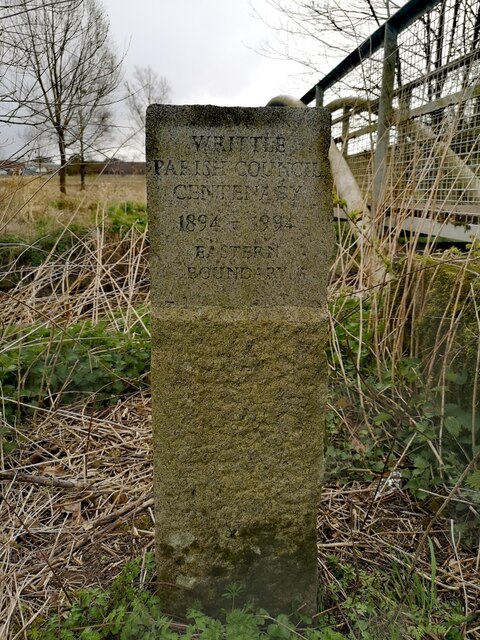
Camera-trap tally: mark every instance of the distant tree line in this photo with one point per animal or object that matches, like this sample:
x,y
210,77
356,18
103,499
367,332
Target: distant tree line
x,y
104,167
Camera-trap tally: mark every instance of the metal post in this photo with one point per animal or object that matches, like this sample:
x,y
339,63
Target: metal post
x,y
404,99
384,114
345,129
318,96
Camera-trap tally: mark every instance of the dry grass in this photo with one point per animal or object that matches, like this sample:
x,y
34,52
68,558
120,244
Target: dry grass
x,y
100,277
56,540
77,498
78,504
24,201
369,530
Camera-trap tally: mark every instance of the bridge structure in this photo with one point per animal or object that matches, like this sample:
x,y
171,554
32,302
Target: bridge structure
x,y
405,111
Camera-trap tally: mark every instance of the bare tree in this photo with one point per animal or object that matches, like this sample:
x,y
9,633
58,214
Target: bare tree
x,y
68,70
92,127
145,87
13,8
12,56
315,32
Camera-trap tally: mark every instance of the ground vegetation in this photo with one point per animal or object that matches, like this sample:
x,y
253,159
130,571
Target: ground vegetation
x,y
399,511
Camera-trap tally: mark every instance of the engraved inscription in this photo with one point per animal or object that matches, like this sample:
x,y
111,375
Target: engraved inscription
x,y
234,273
234,187
192,222
266,144
249,193
204,168
281,169
242,168
236,251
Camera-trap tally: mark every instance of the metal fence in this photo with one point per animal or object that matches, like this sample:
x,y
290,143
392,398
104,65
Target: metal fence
x,y
406,115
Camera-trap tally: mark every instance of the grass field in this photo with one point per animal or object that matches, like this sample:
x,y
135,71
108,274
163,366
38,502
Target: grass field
x,y
399,547
26,202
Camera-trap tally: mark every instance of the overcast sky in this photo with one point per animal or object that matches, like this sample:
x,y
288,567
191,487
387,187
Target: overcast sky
x,y
205,49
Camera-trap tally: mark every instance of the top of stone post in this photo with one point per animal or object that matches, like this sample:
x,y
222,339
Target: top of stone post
x,y
240,205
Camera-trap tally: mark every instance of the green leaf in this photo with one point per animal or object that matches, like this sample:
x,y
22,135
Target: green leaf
x,y
423,427
280,629
473,480
382,417
453,426
457,378
420,463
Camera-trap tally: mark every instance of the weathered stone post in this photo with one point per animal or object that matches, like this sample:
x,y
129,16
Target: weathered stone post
x,y
240,210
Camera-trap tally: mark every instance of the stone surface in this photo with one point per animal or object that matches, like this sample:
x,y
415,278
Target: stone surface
x,y
240,209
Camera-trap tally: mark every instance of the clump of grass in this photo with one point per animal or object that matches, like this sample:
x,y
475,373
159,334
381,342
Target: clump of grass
x,y
16,252
64,204
128,215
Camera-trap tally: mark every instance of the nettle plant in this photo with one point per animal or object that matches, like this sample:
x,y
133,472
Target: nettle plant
x,y
390,409
369,604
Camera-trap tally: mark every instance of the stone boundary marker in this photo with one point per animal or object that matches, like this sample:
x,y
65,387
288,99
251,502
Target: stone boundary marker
x,y
240,214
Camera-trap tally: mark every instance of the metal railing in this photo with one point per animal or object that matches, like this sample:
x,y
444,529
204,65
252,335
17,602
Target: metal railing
x,y
406,112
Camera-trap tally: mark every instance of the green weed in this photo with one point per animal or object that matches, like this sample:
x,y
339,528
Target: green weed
x,y
400,416
47,366
372,605
130,610
392,604
127,215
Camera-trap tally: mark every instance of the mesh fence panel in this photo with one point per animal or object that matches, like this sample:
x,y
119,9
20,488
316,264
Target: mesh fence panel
x,y
434,140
